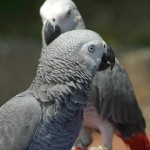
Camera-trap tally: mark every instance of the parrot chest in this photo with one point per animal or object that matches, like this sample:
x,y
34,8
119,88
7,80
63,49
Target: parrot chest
x,y
57,133
91,118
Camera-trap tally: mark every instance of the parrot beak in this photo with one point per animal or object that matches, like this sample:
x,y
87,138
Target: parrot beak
x,y
50,32
108,60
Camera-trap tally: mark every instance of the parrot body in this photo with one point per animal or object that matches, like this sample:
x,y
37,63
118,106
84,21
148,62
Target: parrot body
x,y
110,114
112,106
48,116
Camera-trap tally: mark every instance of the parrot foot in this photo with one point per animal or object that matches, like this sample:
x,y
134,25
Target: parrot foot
x,y
99,147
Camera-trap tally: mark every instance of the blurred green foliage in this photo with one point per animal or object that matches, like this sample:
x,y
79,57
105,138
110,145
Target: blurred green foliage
x,y
119,22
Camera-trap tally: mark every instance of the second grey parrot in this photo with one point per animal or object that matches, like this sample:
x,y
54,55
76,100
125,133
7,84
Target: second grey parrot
x,y
48,115
112,107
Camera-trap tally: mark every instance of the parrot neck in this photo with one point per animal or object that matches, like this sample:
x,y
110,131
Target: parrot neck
x,y
57,133
62,93
56,82
56,79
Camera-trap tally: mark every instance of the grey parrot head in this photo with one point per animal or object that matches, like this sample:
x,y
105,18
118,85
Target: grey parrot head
x,y
59,16
85,47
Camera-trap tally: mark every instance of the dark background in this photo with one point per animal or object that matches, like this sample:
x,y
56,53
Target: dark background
x,y
124,22
125,25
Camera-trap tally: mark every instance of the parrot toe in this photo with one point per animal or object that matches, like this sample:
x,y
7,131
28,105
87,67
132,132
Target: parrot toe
x,y
99,147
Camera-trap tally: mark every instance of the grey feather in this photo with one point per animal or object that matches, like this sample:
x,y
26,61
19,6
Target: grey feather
x,y
116,92
19,118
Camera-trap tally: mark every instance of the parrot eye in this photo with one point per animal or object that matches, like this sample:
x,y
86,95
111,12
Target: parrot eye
x,y
91,48
68,12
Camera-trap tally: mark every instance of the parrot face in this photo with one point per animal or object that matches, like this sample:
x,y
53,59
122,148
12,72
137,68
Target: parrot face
x,y
59,17
97,55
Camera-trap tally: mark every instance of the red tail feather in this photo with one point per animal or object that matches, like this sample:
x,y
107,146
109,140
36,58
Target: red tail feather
x,y
78,148
138,141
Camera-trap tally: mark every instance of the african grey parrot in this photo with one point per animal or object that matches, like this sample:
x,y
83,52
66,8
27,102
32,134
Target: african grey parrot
x,y
48,116
112,106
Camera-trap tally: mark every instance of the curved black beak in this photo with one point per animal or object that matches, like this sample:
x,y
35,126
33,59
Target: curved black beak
x,y
50,32
108,60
